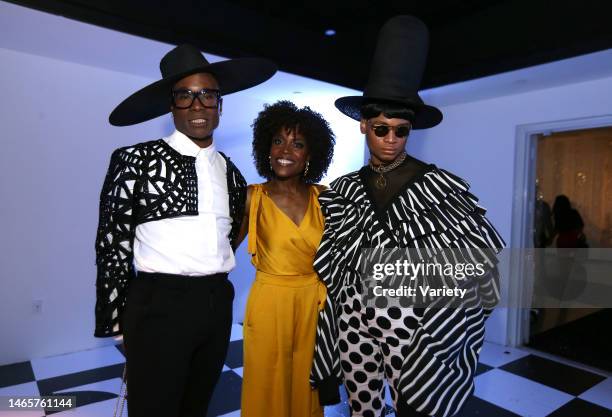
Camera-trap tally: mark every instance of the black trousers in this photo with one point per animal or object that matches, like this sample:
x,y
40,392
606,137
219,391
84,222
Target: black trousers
x,y
176,333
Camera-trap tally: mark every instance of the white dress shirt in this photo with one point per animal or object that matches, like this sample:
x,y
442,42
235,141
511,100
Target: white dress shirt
x,y
191,245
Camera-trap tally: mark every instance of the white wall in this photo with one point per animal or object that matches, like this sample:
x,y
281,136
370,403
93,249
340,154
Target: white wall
x,y
59,84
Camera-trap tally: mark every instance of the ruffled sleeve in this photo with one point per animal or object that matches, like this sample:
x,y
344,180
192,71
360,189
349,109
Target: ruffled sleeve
x,y
438,370
326,374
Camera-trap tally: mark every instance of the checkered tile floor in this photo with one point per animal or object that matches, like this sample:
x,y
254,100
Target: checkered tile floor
x,y
510,382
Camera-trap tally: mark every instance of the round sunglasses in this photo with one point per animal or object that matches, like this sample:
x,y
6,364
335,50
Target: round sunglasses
x,y
383,130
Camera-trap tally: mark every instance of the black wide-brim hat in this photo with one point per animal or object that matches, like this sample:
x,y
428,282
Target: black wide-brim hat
x,y
155,99
396,72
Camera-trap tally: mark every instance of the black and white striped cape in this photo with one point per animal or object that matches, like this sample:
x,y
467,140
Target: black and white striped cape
x,y
435,210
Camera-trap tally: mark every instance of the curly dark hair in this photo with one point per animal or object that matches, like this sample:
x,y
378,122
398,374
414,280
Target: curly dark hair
x,y
286,115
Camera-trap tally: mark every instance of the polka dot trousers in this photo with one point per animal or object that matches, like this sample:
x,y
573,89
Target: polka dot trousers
x,y
372,344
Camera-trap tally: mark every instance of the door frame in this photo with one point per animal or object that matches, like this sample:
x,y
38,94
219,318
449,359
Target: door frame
x,y
525,158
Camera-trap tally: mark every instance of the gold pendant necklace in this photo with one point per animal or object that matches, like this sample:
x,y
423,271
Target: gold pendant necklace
x,y
381,182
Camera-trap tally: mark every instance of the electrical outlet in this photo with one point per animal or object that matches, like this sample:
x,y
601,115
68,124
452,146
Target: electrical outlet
x,y
37,306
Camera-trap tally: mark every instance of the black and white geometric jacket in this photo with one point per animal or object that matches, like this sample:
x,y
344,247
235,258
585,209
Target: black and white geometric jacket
x,y
145,182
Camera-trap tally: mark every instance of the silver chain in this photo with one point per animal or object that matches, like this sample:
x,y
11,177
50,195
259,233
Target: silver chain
x,y
119,406
381,169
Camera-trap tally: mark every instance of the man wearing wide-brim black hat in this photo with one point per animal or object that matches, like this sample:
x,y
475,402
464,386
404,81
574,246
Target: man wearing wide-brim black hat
x,y
426,355
170,210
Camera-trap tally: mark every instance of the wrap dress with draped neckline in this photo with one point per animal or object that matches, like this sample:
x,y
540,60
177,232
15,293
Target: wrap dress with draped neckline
x,y
282,310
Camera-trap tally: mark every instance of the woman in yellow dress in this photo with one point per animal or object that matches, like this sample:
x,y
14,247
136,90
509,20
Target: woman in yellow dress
x,y
292,149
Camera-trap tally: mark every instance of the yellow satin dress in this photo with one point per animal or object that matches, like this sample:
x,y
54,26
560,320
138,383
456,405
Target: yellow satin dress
x,y
282,310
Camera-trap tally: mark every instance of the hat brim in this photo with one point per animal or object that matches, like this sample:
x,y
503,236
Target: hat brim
x,y
154,100
425,116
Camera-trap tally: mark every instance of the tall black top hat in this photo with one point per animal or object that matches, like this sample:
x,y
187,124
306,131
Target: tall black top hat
x,y
396,72
155,99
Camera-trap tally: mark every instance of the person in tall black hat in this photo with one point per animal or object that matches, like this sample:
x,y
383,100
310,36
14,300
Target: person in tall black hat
x,y
427,355
170,211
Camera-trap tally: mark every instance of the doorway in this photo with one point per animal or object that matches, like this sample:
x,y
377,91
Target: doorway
x,y
572,158
573,208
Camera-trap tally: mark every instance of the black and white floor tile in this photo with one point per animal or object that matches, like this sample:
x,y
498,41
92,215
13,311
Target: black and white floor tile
x,y
509,383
